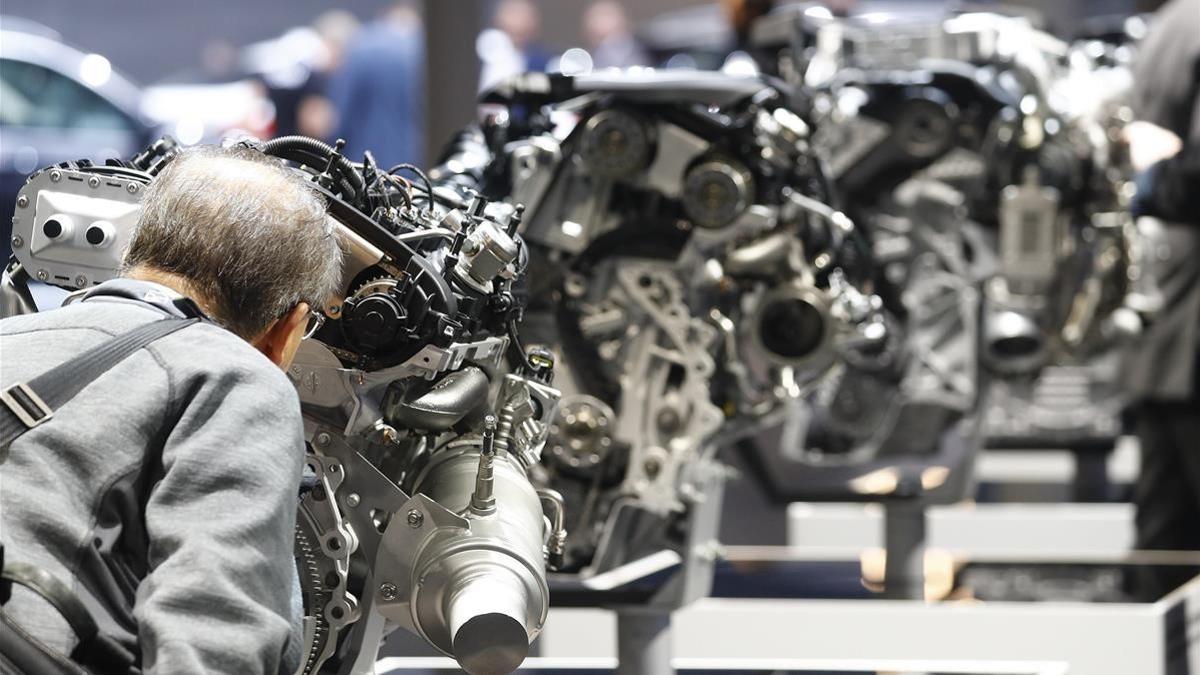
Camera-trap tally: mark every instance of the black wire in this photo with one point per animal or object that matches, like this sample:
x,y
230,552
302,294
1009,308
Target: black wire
x,y
424,179
294,148
369,163
387,187
515,343
403,193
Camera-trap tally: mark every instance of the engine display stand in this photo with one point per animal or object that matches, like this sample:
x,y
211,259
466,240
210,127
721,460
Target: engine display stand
x,y
647,590
644,642
904,534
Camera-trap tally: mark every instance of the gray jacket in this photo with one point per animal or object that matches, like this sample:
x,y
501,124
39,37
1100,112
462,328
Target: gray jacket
x,y
164,493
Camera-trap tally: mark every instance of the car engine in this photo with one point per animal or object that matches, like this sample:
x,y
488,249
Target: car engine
x,y
419,509
1002,120
698,286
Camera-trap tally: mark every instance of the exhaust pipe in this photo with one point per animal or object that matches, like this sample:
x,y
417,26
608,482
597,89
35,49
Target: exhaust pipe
x,y
1012,342
793,327
476,587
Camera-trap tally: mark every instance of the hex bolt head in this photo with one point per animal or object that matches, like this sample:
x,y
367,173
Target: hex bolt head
x,y
55,176
93,182
415,519
132,188
22,201
651,467
323,439
43,275
388,591
81,281
353,500
17,241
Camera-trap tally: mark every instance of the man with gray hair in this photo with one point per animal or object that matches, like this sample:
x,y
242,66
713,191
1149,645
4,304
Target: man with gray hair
x,y
163,495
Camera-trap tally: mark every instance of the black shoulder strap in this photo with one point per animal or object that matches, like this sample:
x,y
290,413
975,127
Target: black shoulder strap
x,y
25,405
95,651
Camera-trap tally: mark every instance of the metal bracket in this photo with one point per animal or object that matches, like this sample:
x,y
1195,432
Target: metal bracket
x,y
26,405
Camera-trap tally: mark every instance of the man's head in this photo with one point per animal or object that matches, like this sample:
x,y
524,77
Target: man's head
x,y
245,237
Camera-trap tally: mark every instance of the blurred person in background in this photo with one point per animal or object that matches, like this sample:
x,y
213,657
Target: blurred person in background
x,y
1160,374
741,15
379,91
511,45
841,8
609,37
306,109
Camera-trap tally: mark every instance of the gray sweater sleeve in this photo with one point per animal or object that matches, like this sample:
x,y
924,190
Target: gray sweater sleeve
x,y
220,523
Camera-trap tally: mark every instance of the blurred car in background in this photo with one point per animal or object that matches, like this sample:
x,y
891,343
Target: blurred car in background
x,y
205,112
256,89
57,104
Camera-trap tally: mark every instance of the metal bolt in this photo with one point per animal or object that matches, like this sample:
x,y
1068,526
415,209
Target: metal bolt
x,y
22,201
651,467
388,591
483,501
415,518
81,281
94,182
17,241
132,188
43,275
352,499
55,176
323,439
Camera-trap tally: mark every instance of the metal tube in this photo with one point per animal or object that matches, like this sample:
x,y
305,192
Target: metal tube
x,y
486,614
476,600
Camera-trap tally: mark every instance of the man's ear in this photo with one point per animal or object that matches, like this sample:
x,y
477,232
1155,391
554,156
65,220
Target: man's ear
x,y
281,339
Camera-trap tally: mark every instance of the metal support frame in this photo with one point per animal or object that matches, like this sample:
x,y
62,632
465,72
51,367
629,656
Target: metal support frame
x,y
1091,482
644,641
904,533
644,637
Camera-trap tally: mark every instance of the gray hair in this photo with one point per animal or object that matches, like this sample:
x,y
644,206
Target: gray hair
x,y
243,230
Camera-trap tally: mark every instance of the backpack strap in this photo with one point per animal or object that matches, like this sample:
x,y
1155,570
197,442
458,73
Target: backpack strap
x,y
26,405
94,651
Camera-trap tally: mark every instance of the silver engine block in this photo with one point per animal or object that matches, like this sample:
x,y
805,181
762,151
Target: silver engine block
x,y
699,288
1008,118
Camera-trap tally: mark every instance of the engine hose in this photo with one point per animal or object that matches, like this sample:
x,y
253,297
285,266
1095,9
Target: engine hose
x,y
344,187
289,147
